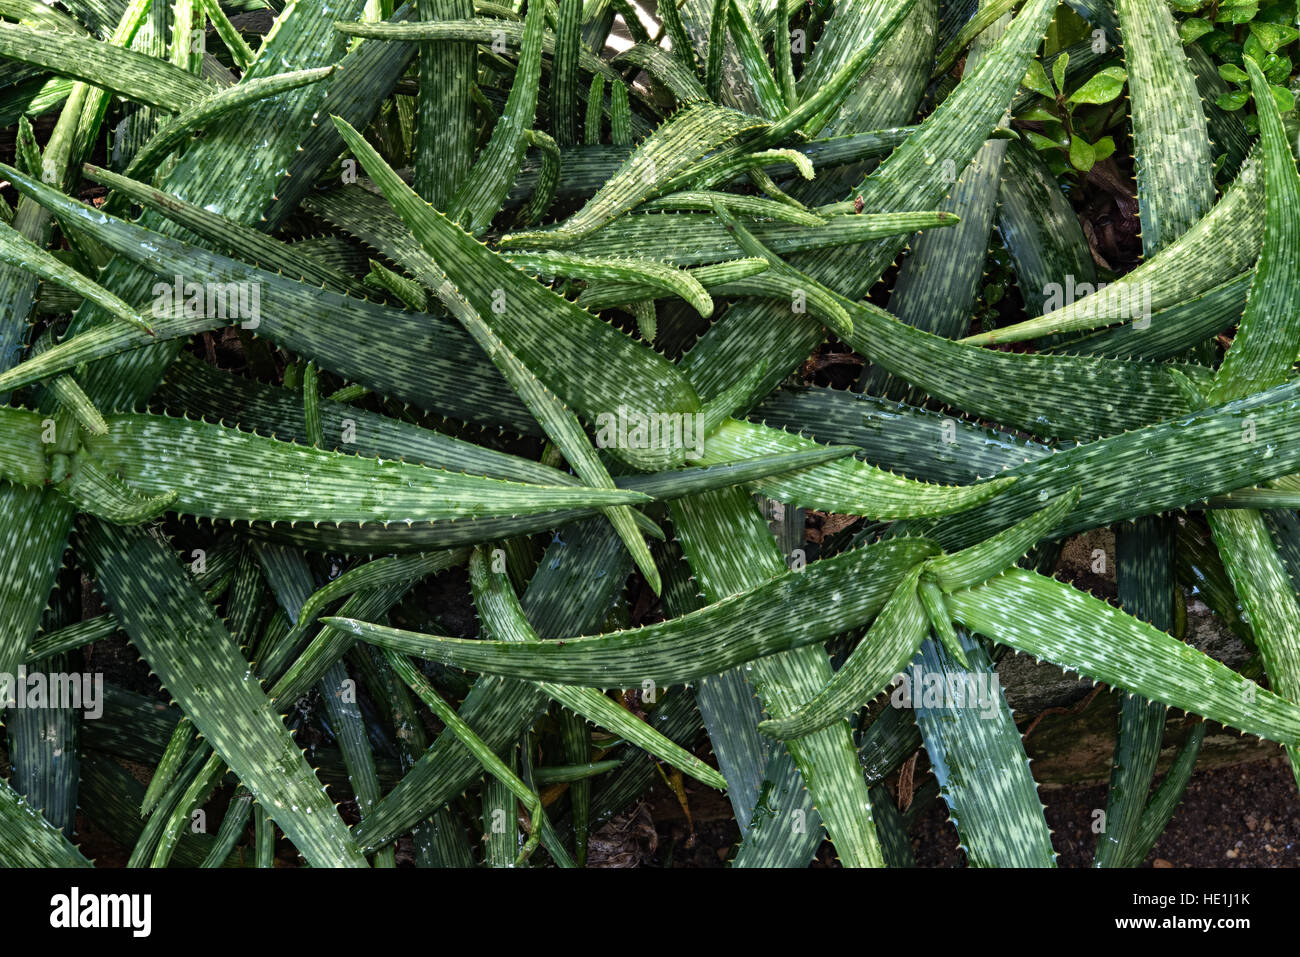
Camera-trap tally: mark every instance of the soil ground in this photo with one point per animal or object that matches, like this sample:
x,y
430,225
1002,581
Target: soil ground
x,y
1244,816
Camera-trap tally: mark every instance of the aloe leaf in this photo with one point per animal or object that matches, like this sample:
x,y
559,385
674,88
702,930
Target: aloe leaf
x,y
1154,469
1043,234
99,492
762,620
339,694
484,754
617,371
826,759
298,41
609,294
44,741
955,131
1165,801
280,306
912,355
575,773
1175,189
1262,354
1227,130
239,50
575,739
939,281
174,134
233,824
587,555
504,617
214,686
392,570
18,251
152,452
125,72
1174,171
936,613
1263,350
888,645
727,703
976,754
668,69
564,79
242,242
890,90
28,840
1221,246
979,563
687,239
664,279
754,59
785,829
896,436
713,58
1145,578
486,30
747,205
73,400
169,766
591,130
1267,597
987,15
487,184
672,148
1052,620
848,486
295,676
1169,332
207,392
196,793
559,423
444,133
71,636
821,102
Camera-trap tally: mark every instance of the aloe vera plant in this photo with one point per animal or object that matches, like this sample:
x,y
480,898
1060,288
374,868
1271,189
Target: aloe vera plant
x,y
478,333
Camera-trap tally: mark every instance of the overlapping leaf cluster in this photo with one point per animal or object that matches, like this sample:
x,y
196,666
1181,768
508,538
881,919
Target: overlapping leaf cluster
x,y
371,289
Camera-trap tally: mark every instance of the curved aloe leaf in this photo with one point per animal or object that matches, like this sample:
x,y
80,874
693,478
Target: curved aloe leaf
x,y
28,840
976,754
616,371
130,74
672,148
487,184
196,660
887,646
211,108
850,486
283,481
1052,620
1175,176
979,563
503,616
765,620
